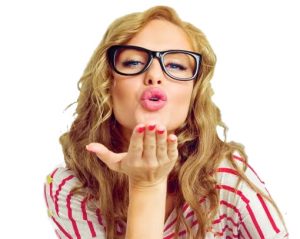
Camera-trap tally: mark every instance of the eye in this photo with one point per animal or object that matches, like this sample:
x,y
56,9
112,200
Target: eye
x,y
175,66
132,63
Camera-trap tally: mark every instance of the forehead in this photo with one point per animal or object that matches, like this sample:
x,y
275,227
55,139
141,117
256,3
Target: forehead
x,y
161,35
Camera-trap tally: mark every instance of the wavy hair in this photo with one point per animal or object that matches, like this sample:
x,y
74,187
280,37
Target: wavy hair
x,y
200,148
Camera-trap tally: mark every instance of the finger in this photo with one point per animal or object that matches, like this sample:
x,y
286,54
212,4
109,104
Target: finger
x,y
172,147
135,148
161,144
111,159
149,152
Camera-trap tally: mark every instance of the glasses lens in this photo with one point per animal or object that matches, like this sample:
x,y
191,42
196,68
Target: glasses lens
x,y
130,61
180,65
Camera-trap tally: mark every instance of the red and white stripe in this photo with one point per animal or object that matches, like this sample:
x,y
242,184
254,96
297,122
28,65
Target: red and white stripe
x,y
70,213
242,212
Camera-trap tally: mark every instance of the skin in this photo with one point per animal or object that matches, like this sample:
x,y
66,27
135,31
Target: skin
x,y
152,148
157,35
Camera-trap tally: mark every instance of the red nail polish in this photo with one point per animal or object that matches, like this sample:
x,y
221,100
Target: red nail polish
x,y
151,127
141,129
160,131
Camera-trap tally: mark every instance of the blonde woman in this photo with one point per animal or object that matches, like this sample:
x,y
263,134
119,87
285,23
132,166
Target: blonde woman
x,y
143,158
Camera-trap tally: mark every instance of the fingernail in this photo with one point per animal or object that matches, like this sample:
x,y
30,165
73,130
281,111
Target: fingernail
x,y
151,127
141,129
172,138
92,147
160,131
89,148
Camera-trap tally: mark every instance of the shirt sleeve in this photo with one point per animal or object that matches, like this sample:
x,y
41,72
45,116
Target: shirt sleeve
x,y
252,215
68,212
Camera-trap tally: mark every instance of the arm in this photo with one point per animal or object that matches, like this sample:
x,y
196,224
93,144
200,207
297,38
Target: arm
x,y
146,212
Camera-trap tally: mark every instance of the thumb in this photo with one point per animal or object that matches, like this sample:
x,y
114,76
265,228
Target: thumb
x,y
111,159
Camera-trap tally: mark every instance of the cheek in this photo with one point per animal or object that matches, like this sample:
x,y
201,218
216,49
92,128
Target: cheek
x,y
123,97
183,99
119,92
117,96
124,88
180,105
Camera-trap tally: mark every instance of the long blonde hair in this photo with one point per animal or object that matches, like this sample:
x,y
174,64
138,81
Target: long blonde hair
x,y
200,149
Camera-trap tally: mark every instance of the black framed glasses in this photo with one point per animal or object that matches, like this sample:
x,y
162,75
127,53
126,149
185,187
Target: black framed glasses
x,y
131,60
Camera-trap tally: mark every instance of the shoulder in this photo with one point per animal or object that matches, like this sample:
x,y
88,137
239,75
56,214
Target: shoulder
x,y
244,204
58,189
70,213
228,174
62,180
62,176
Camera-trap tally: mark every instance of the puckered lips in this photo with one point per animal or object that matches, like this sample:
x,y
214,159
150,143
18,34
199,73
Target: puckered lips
x,y
153,99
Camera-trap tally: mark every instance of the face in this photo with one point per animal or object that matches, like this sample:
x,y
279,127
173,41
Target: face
x,y
128,91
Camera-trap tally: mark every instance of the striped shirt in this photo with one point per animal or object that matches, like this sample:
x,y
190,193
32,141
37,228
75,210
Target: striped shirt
x,y
242,212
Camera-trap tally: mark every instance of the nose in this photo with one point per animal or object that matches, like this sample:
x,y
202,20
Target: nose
x,y
154,75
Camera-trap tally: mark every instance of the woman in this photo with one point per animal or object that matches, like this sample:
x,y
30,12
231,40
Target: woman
x,y
143,158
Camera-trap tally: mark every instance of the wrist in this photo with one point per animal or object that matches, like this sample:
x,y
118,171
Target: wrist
x,y
148,186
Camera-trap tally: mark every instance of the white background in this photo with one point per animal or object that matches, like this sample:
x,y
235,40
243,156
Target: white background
x,y
45,45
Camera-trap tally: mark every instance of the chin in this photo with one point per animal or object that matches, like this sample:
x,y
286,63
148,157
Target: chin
x,y
160,119
150,117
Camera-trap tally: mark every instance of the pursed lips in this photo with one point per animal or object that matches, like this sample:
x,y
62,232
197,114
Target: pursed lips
x,y
153,99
